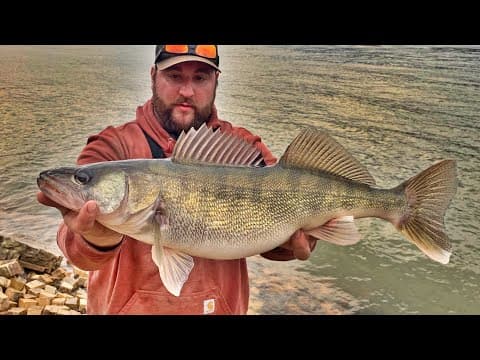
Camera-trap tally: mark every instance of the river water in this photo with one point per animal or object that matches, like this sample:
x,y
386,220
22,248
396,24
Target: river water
x,y
397,109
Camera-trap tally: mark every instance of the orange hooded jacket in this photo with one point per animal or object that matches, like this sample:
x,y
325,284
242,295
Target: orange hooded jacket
x,y
125,280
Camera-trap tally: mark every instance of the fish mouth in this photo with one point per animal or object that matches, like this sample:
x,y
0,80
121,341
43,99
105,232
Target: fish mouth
x,y
47,184
44,182
55,187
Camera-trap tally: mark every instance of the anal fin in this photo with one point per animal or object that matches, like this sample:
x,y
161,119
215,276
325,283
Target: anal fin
x,y
339,231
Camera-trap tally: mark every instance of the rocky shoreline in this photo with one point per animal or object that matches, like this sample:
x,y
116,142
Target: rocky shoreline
x,y
34,282
27,292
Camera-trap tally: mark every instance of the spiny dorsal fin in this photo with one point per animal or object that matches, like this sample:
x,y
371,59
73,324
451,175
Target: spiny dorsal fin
x,y
206,146
314,149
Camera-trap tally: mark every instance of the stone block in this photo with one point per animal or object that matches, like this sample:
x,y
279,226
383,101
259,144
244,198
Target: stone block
x,y
58,301
4,302
17,311
10,268
35,310
35,284
44,301
50,289
72,303
13,294
4,282
17,283
26,303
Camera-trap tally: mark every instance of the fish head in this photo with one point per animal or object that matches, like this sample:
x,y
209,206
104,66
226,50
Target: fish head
x,y
72,187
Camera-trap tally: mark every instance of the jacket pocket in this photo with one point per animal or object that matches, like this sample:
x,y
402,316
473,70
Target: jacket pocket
x,y
144,302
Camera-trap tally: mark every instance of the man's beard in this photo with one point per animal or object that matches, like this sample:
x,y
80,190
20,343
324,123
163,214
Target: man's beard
x,y
164,115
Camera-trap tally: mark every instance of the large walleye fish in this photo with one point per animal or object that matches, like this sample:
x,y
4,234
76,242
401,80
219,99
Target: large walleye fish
x,y
213,200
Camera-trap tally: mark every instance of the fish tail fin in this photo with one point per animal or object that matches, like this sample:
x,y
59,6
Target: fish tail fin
x,y
428,196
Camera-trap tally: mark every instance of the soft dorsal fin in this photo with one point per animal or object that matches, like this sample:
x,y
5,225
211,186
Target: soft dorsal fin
x,y
314,149
215,147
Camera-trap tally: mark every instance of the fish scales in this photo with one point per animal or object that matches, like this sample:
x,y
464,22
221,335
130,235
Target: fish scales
x,y
214,206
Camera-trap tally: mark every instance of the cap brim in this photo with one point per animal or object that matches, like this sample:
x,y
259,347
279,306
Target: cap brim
x,y
165,64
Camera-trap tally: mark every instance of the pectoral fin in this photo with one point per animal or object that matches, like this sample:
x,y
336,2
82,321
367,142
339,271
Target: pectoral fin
x,y
341,231
174,267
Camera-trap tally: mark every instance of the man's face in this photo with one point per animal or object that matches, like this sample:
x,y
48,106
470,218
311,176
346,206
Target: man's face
x,y
183,95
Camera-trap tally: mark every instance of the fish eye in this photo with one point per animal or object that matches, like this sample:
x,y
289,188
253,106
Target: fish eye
x,y
81,177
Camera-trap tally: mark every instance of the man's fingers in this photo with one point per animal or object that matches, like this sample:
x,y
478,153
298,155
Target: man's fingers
x,y
301,246
85,220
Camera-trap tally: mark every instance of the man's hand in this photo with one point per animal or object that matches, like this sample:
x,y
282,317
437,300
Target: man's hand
x,y
84,224
301,244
